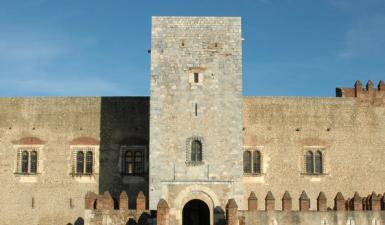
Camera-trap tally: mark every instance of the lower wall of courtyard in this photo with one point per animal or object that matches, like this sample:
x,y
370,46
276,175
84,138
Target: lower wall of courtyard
x,y
312,218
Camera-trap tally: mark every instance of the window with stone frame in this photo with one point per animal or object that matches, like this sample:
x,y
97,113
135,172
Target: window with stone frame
x,y
314,162
195,151
83,161
132,160
196,76
252,162
27,161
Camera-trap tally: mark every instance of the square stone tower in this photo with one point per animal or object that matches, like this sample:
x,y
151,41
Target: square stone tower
x,y
196,112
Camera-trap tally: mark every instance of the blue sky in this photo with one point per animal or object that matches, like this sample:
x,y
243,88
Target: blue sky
x,y
93,48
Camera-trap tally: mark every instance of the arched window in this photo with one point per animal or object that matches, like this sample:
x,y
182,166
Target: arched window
x,y
247,162
33,167
196,151
309,162
318,162
89,162
24,161
79,162
128,163
256,162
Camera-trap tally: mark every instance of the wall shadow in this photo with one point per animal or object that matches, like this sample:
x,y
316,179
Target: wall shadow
x,y
123,121
144,219
219,216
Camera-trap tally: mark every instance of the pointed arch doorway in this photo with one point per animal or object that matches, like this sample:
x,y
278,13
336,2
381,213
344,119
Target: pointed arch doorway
x,y
196,212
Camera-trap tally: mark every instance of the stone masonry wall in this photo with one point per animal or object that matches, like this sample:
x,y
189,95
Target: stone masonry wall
x,y
349,131
183,110
54,196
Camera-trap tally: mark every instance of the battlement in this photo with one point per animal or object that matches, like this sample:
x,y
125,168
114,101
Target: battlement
x,y
367,210
98,207
369,92
370,202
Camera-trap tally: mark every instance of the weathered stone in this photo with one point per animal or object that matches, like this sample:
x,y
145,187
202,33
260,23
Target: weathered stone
x,y
232,212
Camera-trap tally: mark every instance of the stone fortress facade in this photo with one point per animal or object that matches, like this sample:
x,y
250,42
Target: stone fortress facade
x,y
196,151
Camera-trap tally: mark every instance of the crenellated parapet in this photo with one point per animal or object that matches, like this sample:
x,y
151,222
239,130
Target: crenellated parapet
x,y
107,202
349,210
101,207
361,92
373,202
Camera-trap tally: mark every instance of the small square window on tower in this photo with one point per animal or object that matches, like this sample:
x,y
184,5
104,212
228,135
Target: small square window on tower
x,y
196,77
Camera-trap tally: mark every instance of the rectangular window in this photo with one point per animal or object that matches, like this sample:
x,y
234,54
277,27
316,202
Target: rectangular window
x,y
133,160
196,77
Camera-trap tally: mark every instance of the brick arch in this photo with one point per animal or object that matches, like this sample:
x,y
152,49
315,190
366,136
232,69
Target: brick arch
x,y
84,141
29,141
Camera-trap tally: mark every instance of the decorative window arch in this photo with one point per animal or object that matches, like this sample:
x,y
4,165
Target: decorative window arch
x,y
27,161
84,160
195,151
28,151
85,155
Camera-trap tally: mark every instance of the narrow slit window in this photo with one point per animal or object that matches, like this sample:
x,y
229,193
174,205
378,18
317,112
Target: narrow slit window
x,y
196,109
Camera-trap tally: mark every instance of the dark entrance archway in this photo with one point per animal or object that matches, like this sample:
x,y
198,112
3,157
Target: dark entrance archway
x,y
196,212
